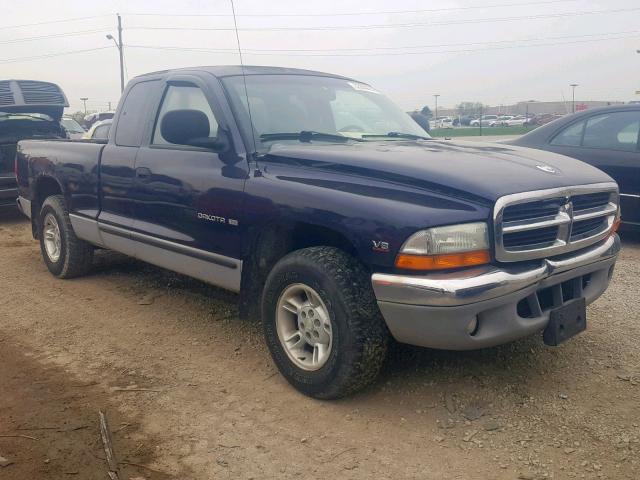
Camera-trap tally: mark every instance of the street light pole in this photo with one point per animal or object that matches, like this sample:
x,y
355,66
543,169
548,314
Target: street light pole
x,y
436,117
120,47
84,101
573,97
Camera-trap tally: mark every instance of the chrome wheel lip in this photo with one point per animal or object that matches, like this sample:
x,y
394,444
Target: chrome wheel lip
x,y
51,237
304,327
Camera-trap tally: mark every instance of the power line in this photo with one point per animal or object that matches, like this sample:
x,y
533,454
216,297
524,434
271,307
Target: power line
x,y
53,35
397,25
49,55
250,52
412,47
344,14
7,27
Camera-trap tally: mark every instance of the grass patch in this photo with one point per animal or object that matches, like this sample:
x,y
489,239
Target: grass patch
x,y
475,131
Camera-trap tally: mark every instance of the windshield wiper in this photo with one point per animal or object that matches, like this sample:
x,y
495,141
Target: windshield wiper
x,y
306,136
410,136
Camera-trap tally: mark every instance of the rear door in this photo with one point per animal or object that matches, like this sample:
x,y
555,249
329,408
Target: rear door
x,y
118,162
188,200
611,142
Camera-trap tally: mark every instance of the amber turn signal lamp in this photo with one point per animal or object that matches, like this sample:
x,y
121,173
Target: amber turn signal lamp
x,y
443,261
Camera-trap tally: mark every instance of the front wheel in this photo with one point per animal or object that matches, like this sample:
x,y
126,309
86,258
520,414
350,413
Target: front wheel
x,y
322,324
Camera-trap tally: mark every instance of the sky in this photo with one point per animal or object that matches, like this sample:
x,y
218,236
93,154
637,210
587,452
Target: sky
x,y
492,51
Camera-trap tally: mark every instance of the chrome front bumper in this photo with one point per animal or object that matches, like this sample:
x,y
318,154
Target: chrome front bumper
x,y
436,310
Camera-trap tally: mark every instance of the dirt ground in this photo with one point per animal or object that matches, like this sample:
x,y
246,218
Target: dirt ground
x,y
191,392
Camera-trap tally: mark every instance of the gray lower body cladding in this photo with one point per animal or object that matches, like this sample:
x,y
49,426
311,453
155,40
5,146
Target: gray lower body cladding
x,y
501,319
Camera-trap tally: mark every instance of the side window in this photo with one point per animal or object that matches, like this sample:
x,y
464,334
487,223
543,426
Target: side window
x,y
134,115
570,136
615,131
101,132
184,97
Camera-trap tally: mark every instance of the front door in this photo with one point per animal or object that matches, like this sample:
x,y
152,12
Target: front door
x,y
188,200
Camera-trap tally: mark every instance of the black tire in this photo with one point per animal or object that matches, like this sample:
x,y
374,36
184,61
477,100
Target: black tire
x,y
360,336
76,256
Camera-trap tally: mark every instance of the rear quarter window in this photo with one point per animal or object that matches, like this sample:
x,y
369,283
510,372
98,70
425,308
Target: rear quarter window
x,y
135,115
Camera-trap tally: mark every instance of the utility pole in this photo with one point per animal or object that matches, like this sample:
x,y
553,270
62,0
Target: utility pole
x,y
120,47
109,103
436,117
84,101
573,97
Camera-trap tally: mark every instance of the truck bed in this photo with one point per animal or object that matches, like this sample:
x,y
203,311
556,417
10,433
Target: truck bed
x,y
73,164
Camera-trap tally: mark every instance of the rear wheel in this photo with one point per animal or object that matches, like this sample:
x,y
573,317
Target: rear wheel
x,y
322,324
65,255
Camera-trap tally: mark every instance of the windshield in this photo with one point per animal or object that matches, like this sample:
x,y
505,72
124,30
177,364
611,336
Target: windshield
x,y
71,125
296,103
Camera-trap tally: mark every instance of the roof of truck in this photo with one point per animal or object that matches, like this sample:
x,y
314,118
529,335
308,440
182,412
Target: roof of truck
x,y
233,70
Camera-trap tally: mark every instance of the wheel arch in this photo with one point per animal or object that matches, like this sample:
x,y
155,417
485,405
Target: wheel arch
x,y
45,186
268,245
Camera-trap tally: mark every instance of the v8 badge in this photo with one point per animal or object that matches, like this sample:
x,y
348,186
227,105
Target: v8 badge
x,y
380,246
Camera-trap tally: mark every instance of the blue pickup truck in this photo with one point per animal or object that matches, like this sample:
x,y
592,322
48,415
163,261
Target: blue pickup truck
x,y
339,222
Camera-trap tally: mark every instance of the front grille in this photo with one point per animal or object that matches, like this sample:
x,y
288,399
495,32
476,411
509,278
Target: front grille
x,y
551,222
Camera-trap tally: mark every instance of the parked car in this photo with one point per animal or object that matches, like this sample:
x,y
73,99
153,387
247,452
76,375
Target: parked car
x,y
607,138
501,121
339,235
443,122
74,129
28,109
465,120
516,121
485,121
92,118
99,130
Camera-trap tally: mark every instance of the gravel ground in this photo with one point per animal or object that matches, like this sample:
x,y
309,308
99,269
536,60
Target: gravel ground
x,y
168,356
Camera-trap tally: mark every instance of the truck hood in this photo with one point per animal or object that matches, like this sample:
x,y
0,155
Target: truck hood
x,y
474,170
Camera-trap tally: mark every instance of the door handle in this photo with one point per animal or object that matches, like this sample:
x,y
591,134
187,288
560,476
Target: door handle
x,y
143,172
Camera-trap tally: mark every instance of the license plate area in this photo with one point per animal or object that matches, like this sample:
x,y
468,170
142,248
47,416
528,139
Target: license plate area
x,y
565,322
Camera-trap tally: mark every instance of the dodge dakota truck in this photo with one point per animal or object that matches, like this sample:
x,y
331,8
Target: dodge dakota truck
x,y
339,222
28,109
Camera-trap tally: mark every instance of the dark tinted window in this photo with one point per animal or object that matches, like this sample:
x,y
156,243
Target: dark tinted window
x,y
135,116
613,131
101,132
570,136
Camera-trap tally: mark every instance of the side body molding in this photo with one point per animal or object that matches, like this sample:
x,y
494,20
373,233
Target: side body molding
x,y
219,270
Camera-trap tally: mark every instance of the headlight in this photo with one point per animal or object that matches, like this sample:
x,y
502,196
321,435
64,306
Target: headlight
x,y
440,248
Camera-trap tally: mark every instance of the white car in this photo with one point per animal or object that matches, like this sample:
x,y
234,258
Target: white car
x,y
443,122
99,130
485,121
501,121
517,121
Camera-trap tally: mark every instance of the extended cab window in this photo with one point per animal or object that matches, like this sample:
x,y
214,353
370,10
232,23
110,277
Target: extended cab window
x,y
184,97
134,114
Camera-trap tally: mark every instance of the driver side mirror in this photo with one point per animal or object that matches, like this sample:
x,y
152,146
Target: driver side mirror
x,y
191,127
